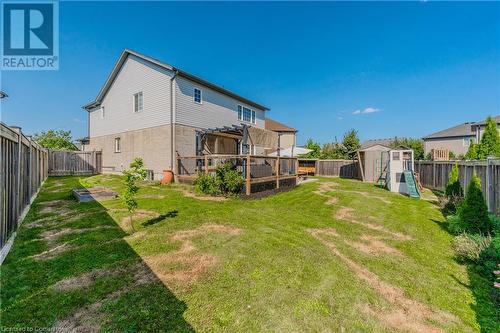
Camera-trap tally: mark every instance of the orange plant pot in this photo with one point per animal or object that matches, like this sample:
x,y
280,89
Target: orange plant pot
x,y
168,177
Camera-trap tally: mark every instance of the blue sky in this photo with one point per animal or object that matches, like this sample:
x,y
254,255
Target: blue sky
x,y
385,69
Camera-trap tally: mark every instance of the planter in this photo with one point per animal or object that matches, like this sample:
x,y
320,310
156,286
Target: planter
x,y
168,177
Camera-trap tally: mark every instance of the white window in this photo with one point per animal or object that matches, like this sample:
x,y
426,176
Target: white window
x,y
138,102
102,112
118,145
246,114
468,141
197,95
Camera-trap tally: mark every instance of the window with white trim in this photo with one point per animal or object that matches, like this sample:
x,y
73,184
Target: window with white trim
x,y
138,101
468,141
118,145
197,95
246,114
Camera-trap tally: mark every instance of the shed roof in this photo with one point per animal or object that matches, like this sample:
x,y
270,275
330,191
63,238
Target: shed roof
x,y
126,53
276,126
376,142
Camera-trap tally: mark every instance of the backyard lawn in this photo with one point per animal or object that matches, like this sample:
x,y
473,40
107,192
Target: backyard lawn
x,y
335,255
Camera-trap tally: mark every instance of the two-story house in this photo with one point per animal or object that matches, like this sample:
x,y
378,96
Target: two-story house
x,y
150,109
457,139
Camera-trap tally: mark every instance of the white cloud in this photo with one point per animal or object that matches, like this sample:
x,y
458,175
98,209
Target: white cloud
x,y
76,120
366,111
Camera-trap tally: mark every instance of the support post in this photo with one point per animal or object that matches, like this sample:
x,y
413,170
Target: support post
x,y
206,164
296,171
247,187
277,172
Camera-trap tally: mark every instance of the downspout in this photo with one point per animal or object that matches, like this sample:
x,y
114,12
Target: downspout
x,y
173,158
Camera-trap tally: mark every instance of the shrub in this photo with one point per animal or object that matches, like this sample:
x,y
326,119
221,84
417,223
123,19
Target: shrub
x,y
226,180
473,212
455,224
454,188
207,184
470,247
489,259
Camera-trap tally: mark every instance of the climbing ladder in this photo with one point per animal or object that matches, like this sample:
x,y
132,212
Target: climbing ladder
x,y
411,184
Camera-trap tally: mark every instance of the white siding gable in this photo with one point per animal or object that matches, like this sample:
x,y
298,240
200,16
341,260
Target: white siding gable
x,y
215,110
135,75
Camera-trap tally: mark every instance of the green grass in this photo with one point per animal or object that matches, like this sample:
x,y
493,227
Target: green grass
x,y
272,276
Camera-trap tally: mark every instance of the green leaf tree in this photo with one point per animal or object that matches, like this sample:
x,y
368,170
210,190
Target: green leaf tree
x,y
351,143
473,212
471,152
454,188
416,144
333,151
315,147
490,141
57,140
135,173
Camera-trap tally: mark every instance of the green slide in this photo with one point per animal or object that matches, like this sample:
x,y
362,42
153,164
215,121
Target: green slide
x,y
411,183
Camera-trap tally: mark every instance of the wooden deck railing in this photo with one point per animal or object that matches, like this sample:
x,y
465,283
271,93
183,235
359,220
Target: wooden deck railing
x,y
253,168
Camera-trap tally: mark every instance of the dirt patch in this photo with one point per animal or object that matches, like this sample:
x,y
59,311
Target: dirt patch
x,y
368,195
405,313
189,194
139,214
326,187
141,273
377,227
54,206
90,318
186,265
152,196
51,237
67,216
344,213
53,252
332,201
374,246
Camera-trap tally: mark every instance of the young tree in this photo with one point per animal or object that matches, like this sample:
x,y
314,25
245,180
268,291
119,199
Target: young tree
x,y
315,147
132,175
57,140
490,141
351,143
473,212
454,188
333,151
471,152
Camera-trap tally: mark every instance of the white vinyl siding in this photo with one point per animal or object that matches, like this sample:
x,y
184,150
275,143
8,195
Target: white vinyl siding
x,y
217,109
135,76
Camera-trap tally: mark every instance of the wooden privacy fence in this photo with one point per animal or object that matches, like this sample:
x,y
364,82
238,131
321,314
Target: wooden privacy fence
x,y
434,175
68,163
260,172
23,168
335,168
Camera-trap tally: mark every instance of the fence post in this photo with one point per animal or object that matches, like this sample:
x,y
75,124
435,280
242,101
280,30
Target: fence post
x,y
488,183
278,172
434,175
247,189
18,178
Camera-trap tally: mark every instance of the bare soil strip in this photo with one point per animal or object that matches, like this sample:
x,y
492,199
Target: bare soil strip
x,y
186,265
367,195
373,246
405,314
187,193
90,318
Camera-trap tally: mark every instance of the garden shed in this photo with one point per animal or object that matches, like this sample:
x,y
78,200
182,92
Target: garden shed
x,y
373,162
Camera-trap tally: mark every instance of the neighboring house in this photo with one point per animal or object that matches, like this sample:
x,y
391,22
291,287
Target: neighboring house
x,y
2,94
287,135
456,139
153,110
